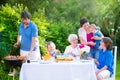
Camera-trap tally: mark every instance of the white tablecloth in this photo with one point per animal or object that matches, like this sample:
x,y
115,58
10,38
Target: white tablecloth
x,y
58,71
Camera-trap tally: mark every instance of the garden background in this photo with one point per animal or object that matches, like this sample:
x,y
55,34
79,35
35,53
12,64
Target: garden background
x,y
56,19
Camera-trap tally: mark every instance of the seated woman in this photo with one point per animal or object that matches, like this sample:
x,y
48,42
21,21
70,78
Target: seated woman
x,y
51,48
74,48
105,61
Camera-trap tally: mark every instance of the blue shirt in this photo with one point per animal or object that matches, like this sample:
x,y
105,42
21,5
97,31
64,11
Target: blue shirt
x,y
97,42
106,59
27,34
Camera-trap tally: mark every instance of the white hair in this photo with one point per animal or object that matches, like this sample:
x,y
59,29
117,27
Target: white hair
x,y
72,36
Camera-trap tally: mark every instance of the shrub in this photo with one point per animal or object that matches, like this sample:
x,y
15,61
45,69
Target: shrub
x,y
10,21
59,32
42,24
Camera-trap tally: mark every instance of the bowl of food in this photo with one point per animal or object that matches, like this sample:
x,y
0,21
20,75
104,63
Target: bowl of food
x,y
64,58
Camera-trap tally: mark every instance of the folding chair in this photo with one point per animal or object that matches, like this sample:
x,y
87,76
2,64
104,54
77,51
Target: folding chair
x,y
115,60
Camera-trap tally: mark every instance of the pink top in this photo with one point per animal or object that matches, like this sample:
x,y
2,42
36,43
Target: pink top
x,y
89,36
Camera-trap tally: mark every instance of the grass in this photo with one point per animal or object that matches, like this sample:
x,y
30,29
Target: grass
x,y
118,71
4,71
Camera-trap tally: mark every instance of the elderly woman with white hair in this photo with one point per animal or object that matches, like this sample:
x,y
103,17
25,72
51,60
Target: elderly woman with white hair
x,y
73,48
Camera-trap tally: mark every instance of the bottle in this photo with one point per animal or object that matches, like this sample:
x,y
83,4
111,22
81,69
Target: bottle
x,y
28,59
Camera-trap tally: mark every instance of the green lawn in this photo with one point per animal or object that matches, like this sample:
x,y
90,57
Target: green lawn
x,y
118,71
4,76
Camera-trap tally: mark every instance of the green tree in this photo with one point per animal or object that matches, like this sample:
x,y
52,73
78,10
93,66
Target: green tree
x,y
10,20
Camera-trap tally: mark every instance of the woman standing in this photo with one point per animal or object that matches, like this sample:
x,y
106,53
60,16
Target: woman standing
x,y
86,36
84,33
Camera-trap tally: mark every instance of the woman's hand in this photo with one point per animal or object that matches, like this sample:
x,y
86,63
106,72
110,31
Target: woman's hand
x,y
91,43
72,54
97,72
96,38
96,61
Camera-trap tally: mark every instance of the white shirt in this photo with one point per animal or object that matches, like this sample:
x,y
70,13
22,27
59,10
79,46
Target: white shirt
x,y
69,49
82,33
76,51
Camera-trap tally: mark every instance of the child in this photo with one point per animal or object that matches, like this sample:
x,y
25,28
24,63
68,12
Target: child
x,y
105,61
96,33
52,49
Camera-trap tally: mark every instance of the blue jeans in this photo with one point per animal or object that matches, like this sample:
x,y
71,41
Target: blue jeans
x,y
94,53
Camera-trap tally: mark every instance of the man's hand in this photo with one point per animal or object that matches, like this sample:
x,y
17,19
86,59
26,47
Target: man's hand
x,y
16,45
18,41
29,55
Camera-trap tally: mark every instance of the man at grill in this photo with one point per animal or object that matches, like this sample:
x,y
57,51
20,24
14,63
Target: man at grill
x,y
27,38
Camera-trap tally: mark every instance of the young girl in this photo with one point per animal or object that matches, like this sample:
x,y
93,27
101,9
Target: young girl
x,y
52,49
105,61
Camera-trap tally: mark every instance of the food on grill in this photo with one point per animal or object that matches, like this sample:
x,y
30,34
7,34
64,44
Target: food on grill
x,y
10,57
14,61
21,58
15,57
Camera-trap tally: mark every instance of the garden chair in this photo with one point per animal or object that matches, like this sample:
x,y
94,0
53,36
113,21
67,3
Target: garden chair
x,y
115,60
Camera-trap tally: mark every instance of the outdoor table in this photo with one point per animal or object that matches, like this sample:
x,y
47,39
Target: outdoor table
x,y
80,70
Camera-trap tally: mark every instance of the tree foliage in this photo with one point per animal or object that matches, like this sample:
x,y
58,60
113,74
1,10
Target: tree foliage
x,y
9,18
10,21
56,19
